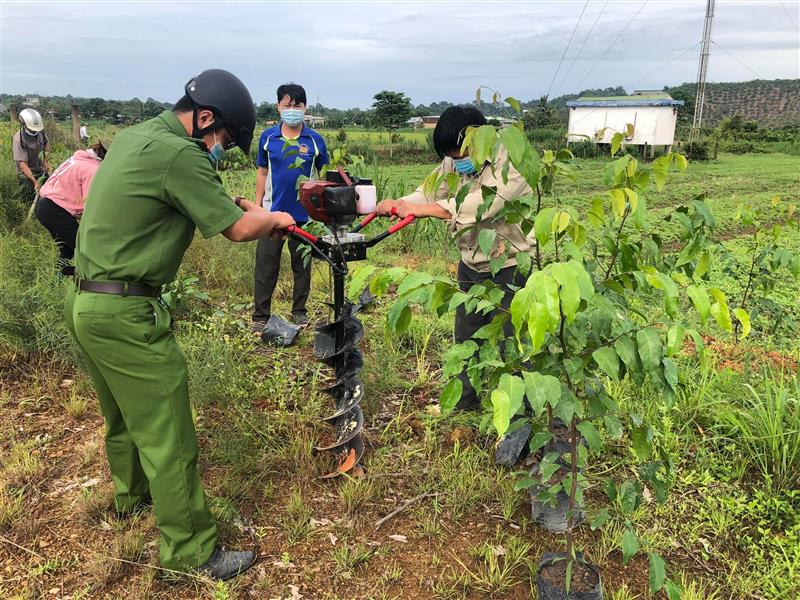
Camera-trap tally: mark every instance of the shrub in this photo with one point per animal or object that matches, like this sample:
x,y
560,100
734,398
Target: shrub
x,y
32,296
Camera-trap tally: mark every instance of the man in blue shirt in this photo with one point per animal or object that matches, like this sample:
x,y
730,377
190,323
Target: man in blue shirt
x,y
276,189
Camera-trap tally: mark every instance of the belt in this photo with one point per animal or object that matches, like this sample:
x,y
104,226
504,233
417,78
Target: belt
x,y
123,288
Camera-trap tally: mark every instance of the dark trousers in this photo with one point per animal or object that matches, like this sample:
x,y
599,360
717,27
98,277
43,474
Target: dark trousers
x,y
268,266
469,323
63,228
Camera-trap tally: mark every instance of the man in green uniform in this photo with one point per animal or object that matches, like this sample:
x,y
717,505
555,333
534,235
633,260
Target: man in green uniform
x,y
156,185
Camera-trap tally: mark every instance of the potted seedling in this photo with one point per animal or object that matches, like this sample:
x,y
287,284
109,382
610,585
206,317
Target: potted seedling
x,y
604,299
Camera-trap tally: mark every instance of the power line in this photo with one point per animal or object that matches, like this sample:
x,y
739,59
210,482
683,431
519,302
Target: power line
x,y
580,50
574,29
665,65
788,14
611,45
737,60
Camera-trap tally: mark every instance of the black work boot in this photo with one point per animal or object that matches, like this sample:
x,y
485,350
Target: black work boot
x,y
225,564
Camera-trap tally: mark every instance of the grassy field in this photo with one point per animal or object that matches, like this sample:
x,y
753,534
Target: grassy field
x,y
415,136
730,529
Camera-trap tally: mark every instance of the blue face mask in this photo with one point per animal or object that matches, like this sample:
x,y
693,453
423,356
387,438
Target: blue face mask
x,y
217,151
292,116
464,166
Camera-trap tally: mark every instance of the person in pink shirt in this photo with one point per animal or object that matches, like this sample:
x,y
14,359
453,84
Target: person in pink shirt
x,y
61,200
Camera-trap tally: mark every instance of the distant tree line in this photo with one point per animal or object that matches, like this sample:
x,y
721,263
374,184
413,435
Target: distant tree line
x,y
760,100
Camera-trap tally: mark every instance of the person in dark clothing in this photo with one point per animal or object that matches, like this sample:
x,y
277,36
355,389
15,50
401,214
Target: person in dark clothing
x,y
474,266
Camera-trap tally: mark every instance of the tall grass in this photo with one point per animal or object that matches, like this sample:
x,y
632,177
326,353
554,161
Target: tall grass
x,y
32,295
765,426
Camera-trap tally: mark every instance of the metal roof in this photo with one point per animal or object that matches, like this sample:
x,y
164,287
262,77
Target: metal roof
x,y
624,101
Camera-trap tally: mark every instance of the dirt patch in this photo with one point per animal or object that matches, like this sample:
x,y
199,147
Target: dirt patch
x,y
736,356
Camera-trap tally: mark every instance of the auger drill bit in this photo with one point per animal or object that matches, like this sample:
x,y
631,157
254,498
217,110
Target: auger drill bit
x,y
336,344
334,202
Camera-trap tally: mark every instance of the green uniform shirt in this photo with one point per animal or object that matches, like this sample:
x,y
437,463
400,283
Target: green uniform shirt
x,y
153,187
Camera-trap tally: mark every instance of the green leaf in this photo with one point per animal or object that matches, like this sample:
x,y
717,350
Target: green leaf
x,y
610,488
616,142
538,324
540,389
701,301
541,225
657,572
675,336
633,197
560,221
613,426
414,281
607,359
358,281
651,350
703,210
719,310
523,263
626,349
671,373
600,519
596,214
673,590
569,292
456,356
744,319
591,436
524,484
630,495
630,545
514,388
514,103
662,282
514,141
501,415
567,403
482,144
519,309
617,202
399,316
451,395
642,441
486,241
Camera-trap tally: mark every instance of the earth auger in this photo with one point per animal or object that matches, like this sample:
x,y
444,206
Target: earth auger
x,y
337,202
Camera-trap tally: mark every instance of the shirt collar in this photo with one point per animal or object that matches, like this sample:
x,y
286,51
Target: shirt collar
x,y
173,123
176,127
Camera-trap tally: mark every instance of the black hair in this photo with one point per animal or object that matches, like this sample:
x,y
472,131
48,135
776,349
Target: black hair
x,y
295,92
185,104
452,125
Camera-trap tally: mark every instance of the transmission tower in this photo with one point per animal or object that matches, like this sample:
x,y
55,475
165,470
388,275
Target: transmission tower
x,y
702,68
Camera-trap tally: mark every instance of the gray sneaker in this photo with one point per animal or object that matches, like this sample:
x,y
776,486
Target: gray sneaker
x,y
225,564
300,319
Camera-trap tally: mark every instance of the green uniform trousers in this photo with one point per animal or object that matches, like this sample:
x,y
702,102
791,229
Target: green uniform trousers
x,y
140,376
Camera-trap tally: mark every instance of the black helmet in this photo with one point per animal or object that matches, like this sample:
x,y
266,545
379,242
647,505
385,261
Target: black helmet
x,y
231,102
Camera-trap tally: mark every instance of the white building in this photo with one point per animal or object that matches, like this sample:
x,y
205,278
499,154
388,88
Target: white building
x,y
653,115
314,120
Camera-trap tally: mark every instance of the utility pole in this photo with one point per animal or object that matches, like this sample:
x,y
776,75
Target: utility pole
x,y
702,69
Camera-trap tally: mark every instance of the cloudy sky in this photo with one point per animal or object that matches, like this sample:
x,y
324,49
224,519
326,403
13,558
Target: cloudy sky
x,y
344,52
